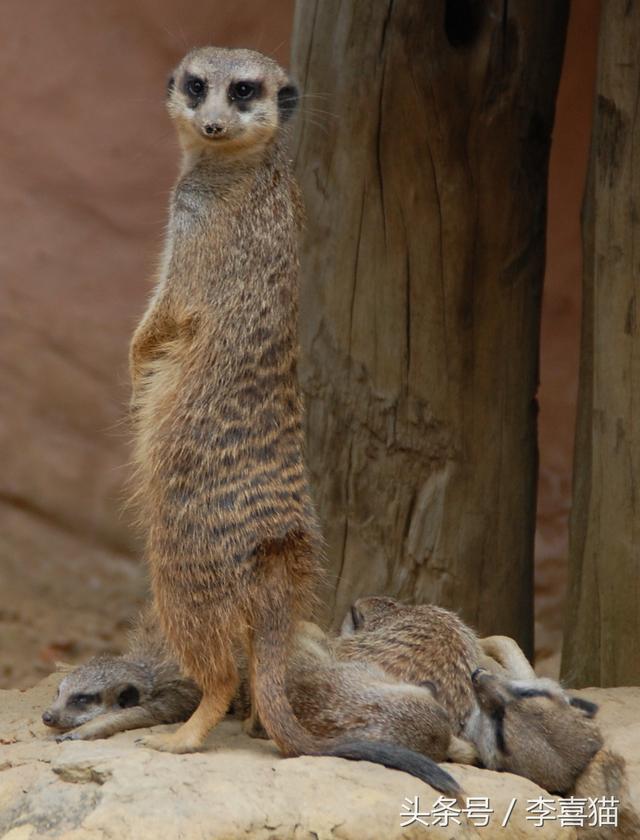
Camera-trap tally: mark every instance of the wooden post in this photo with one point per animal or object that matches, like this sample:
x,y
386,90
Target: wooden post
x,y
602,633
422,149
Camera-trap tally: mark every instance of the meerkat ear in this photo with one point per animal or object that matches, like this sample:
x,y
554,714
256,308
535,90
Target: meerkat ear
x,y
586,706
129,696
171,83
287,101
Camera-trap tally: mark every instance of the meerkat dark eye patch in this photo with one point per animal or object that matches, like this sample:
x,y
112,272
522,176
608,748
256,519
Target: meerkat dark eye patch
x,y
195,89
530,692
129,696
287,101
590,709
498,725
81,700
243,92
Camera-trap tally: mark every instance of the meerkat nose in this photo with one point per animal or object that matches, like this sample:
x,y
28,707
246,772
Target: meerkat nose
x,y
214,128
48,718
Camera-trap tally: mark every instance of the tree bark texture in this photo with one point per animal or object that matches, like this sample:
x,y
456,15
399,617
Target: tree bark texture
x,y
422,147
602,633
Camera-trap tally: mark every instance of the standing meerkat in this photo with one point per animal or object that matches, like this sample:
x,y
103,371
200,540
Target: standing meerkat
x,y
233,541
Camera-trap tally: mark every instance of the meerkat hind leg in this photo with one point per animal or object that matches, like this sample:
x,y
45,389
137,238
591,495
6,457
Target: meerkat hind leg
x,y
213,706
252,725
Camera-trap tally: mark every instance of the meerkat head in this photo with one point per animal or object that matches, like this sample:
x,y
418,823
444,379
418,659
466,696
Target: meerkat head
x,y
368,613
227,100
533,728
103,684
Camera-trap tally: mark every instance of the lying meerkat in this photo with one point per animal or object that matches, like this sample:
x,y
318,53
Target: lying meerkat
x,y
333,698
111,694
417,644
356,702
517,722
532,728
536,729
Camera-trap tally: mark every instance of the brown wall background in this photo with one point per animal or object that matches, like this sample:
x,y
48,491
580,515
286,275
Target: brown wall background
x,y
87,157
560,338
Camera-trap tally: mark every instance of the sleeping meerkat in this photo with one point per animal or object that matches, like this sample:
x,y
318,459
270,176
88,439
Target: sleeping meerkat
x,y
111,694
535,728
515,721
416,644
352,701
331,697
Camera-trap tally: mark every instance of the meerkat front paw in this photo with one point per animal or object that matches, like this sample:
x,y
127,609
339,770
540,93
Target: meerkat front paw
x,y
175,742
71,735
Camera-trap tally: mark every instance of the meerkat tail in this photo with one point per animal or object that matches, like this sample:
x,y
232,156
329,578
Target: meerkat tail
x,y
268,678
292,739
268,674
396,757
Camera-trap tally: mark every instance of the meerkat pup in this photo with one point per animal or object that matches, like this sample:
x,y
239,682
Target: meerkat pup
x,y
515,721
111,694
416,644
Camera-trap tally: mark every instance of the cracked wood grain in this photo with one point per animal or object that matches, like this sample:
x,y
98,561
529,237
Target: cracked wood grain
x,y
425,186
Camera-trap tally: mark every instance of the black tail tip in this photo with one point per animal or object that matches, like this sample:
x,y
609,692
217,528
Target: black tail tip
x,y
396,757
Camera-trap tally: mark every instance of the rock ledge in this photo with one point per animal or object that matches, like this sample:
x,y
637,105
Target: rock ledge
x,y
240,788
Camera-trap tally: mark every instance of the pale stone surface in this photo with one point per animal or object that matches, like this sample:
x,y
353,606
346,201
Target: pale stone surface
x,y
242,788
